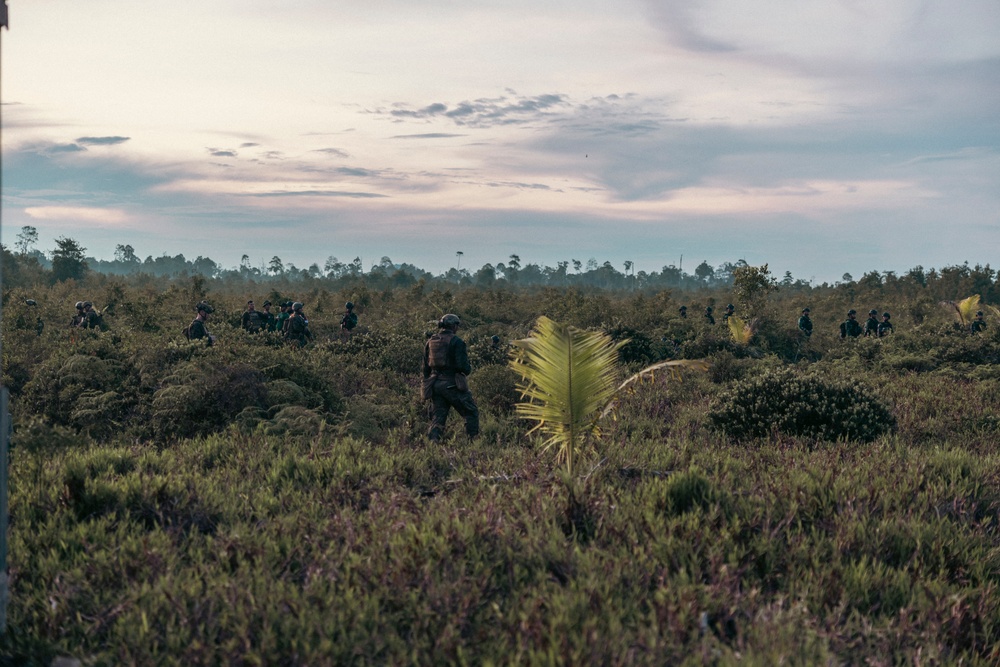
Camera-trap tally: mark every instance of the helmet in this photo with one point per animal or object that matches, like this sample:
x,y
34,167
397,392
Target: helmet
x,y
873,312
852,312
349,305
805,310
708,309
683,308
87,304
30,302
495,338
730,307
297,305
79,305
886,314
266,304
449,321
204,307
979,313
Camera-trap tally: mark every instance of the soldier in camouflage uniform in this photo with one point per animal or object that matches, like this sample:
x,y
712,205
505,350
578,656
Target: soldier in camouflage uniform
x,y
253,320
885,326
730,309
708,315
806,324
269,321
297,327
871,324
445,367
978,324
850,328
683,311
197,330
282,318
76,319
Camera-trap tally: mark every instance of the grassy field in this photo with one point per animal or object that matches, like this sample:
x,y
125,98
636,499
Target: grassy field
x,y
254,504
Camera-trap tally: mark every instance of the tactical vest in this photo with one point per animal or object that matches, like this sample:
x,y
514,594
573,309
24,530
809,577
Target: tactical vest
x,y
438,351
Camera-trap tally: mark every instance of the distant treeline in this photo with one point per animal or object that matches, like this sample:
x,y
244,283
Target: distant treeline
x,y
29,266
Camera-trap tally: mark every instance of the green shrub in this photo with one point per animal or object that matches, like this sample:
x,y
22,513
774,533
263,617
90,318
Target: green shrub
x,y
800,405
495,388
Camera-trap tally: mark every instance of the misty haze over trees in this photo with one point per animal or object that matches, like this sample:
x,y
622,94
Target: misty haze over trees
x,y
28,265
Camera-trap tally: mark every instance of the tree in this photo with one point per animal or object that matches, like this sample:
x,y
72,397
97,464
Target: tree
x,y
126,254
752,284
577,265
276,267
704,271
26,239
67,260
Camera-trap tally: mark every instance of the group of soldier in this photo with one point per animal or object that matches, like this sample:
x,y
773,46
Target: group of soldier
x,y
290,321
86,317
849,328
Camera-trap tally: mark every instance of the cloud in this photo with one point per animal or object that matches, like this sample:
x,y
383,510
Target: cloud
x,y
336,152
249,144
316,193
428,135
349,171
65,148
484,112
221,153
107,216
102,141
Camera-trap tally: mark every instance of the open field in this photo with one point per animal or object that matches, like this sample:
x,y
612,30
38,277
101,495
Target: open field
x,y
250,503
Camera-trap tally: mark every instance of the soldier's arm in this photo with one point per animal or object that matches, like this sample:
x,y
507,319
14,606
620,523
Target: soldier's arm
x,y
462,364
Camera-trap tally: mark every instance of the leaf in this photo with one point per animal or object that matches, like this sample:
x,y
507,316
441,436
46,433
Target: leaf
x,y
568,375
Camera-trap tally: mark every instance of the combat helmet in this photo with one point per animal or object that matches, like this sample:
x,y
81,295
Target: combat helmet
x,y
79,305
449,321
297,306
204,307
349,305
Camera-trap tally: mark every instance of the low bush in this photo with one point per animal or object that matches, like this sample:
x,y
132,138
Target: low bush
x,y
800,405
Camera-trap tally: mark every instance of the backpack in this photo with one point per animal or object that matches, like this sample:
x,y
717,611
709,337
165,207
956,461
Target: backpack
x,y
187,332
350,321
438,351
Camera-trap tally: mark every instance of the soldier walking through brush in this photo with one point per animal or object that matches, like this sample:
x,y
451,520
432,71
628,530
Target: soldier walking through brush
x,y
850,328
806,324
446,365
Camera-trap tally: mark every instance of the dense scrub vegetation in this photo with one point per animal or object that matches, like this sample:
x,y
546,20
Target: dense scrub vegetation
x,y
173,503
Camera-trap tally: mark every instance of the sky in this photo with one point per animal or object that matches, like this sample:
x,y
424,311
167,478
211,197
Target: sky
x,y
821,137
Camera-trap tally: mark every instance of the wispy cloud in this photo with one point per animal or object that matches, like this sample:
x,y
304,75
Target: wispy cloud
x,y
102,141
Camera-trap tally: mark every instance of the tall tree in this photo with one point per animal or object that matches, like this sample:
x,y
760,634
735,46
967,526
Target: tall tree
x,y
26,239
67,260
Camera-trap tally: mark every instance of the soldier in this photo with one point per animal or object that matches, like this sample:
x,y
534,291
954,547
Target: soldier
x,y
253,321
871,324
348,321
729,311
282,319
297,327
446,365
806,324
885,326
196,330
683,310
76,319
978,324
495,342
268,316
850,326
708,315
92,319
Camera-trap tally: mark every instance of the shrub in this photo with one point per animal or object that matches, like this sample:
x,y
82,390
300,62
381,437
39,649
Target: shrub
x,y
495,388
800,405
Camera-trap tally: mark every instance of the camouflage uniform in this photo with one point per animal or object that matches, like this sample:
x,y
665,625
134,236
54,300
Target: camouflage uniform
x,y
806,324
978,324
871,324
850,327
446,363
297,327
885,326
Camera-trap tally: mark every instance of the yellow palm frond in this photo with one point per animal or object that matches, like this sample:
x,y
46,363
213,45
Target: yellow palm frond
x,y
742,332
965,310
568,375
